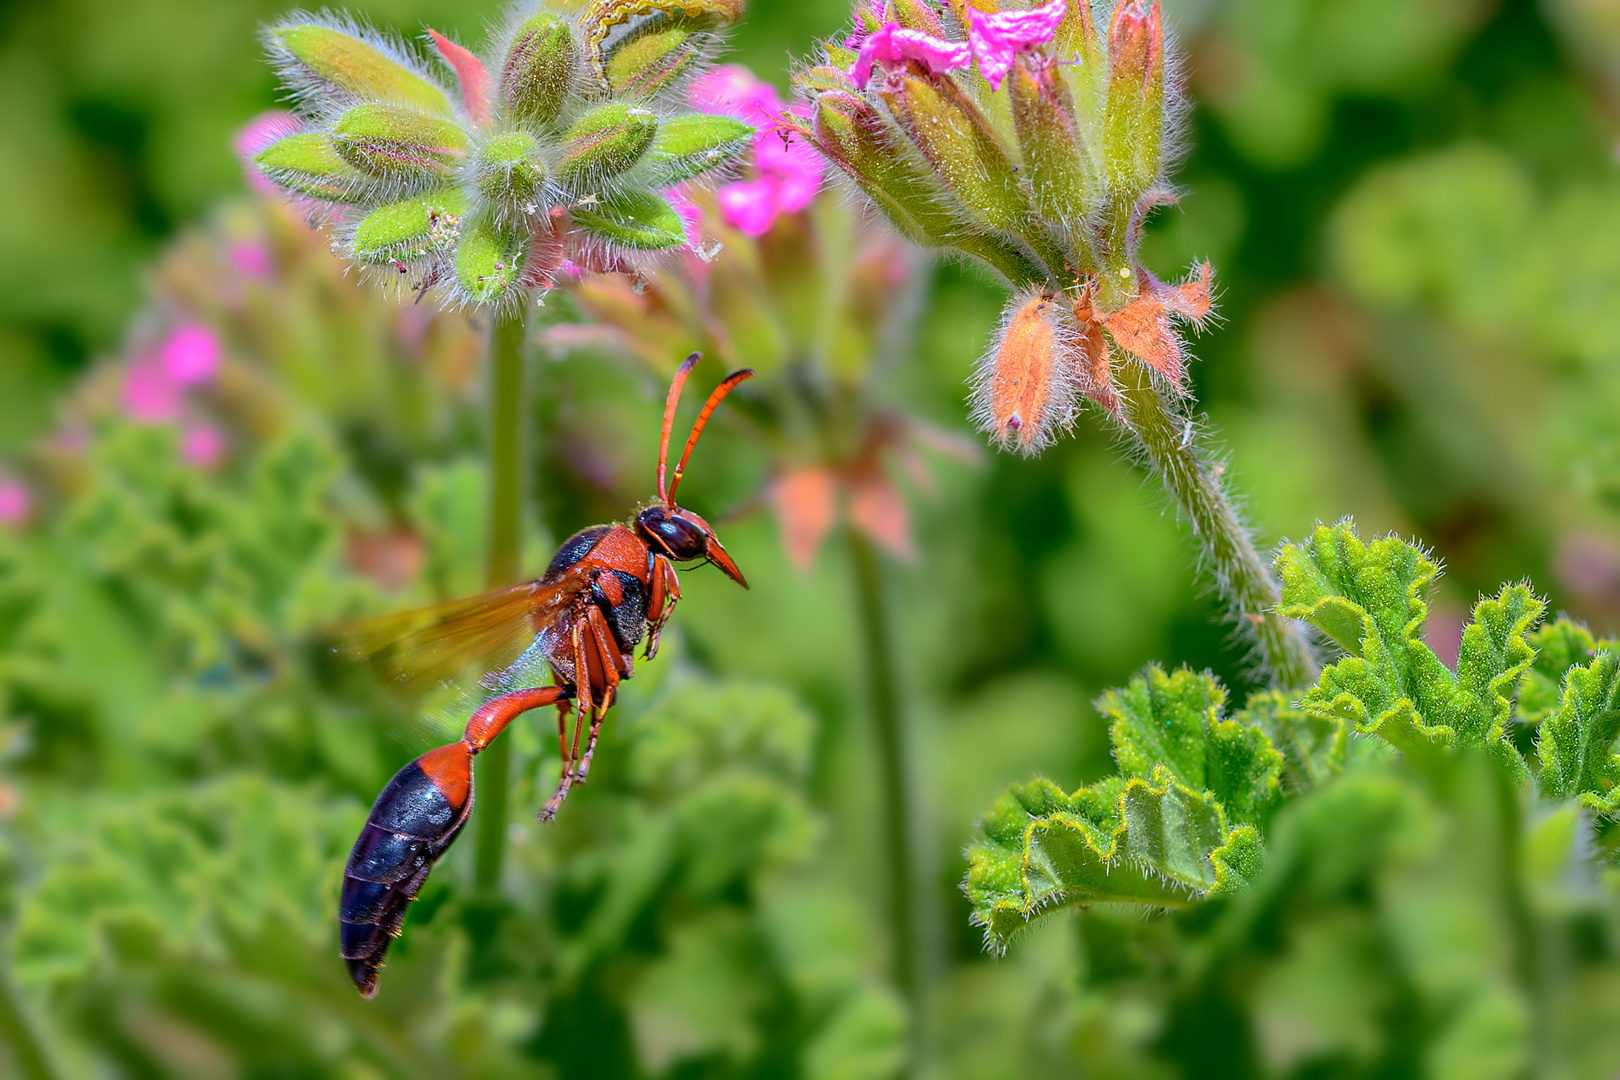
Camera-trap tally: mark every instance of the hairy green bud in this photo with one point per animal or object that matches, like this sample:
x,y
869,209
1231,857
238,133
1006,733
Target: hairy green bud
x,y
607,142
509,169
410,229
1043,117
489,261
652,59
357,66
688,146
957,141
396,142
307,164
539,71
1133,127
633,219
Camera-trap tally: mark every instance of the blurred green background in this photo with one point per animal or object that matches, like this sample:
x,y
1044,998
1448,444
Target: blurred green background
x,y
1412,210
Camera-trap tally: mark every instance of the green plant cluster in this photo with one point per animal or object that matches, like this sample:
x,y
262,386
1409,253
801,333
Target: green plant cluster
x,y
1335,833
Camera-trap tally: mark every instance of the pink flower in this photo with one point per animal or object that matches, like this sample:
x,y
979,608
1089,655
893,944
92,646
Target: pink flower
x,y
788,172
203,446
190,355
251,259
16,503
257,134
891,44
691,216
997,36
150,394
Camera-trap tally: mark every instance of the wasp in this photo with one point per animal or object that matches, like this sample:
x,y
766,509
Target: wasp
x,y
607,588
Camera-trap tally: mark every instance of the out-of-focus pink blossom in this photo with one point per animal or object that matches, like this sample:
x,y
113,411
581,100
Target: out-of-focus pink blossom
x,y
202,445
250,259
16,503
691,216
892,44
150,394
255,135
190,355
997,36
788,173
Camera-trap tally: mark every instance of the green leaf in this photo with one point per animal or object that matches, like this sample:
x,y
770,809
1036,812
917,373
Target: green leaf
x,y
1370,599
1576,742
1314,746
1559,646
1173,723
689,146
634,219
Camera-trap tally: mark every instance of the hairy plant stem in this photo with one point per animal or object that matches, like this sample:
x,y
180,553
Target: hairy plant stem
x,y
1245,579
501,563
27,1055
883,696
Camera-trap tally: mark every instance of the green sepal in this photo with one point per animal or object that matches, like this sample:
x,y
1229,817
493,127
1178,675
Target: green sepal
x,y
358,67
606,142
394,142
633,219
1577,740
1370,599
414,228
539,70
1048,134
1173,722
653,59
509,171
956,140
306,163
692,145
489,261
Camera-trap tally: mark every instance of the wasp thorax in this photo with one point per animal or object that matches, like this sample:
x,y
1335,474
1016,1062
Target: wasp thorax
x,y
1024,392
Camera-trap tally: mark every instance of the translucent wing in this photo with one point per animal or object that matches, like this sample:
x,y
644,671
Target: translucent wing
x,y
487,631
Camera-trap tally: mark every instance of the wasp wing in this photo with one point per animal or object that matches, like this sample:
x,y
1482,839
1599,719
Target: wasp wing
x,y
440,642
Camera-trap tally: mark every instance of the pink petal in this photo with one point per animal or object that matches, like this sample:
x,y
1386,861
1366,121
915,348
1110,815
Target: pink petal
x,y
997,36
190,355
150,396
202,446
891,44
16,503
251,259
470,73
749,206
733,90
691,216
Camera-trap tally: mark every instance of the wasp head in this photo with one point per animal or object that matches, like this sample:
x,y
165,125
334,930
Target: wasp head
x,y
683,536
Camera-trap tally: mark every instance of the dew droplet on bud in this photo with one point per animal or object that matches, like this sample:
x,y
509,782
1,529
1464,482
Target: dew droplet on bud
x,y
1024,391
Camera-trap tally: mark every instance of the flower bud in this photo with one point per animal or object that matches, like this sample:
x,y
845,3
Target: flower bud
x,y
633,219
689,145
398,143
652,60
1024,391
356,66
307,164
956,139
1133,126
915,15
539,70
1055,163
489,261
606,142
410,229
508,171
661,61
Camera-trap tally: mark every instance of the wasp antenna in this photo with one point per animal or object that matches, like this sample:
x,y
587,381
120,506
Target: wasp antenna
x,y
676,385
727,386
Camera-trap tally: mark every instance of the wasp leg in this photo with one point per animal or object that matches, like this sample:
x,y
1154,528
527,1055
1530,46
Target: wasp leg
x,y
665,591
613,666
413,822
585,698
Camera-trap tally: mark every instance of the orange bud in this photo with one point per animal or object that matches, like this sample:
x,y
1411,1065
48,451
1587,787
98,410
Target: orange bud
x,y
1025,387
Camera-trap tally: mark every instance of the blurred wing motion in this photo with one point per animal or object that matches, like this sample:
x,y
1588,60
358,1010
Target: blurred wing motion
x,y
440,642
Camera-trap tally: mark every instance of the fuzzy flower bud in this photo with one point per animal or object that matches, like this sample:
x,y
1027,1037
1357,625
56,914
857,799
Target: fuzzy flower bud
x,y
1134,131
485,188
1024,391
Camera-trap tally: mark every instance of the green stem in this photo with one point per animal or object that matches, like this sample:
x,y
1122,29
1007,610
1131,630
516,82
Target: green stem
x,y
883,694
501,564
17,1034
1245,579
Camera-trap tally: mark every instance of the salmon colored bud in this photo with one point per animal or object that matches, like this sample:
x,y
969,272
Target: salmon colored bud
x,y
1024,392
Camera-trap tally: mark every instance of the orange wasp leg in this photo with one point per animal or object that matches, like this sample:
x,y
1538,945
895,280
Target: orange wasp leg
x,y
665,591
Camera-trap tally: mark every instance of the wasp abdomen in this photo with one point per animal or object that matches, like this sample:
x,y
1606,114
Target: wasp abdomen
x,y
412,823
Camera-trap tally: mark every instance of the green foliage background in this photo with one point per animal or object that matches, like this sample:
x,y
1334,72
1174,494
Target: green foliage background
x,y
1411,209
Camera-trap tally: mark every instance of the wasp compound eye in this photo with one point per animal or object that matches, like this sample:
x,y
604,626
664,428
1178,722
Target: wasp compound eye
x,y
682,538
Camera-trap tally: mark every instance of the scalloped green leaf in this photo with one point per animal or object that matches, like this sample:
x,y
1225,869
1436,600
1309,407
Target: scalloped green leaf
x,y
1560,645
634,219
1370,598
1314,746
1173,722
1577,740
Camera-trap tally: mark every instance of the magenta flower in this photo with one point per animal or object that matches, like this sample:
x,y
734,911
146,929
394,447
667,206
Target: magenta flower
x,y
16,503
997,36
190,355
150,395
251,259
788,172
891,44
202,445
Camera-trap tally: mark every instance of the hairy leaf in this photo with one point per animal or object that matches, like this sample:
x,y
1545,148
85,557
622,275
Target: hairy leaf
x,y
1577,740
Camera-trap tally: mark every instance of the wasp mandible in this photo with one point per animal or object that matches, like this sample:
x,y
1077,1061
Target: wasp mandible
x,y
607,588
